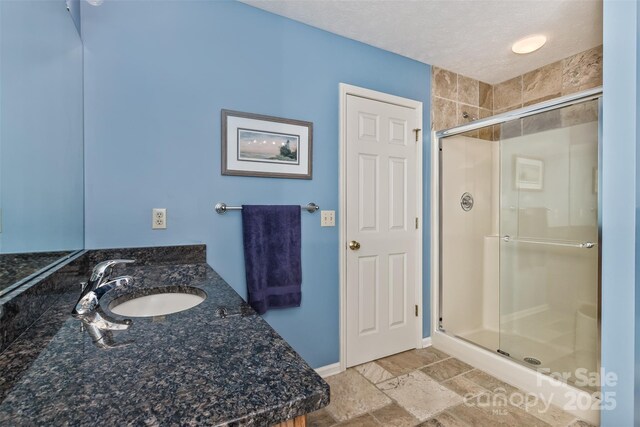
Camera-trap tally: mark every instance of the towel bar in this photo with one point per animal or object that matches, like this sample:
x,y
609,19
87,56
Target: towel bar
x,y
222,208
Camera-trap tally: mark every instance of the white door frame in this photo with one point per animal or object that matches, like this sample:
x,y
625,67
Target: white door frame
x,y
346,90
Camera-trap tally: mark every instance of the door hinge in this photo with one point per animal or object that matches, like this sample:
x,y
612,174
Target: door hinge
x,y
416,310
417,132
416,223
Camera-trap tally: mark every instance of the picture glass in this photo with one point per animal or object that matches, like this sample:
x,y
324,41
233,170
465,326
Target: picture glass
x,y
267,147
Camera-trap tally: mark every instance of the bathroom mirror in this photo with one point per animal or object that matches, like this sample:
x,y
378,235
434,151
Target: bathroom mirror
x,y
41,138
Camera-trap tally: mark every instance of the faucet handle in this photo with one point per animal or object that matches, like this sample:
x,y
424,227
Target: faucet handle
x,y
104,268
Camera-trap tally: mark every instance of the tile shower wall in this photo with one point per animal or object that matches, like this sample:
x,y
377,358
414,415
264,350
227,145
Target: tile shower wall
x,y
453,94
573,74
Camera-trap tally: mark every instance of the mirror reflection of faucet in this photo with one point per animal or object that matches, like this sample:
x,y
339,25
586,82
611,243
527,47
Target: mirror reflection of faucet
x,y
100,328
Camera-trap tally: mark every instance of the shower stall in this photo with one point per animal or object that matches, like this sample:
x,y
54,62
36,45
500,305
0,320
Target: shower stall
x,y
517,241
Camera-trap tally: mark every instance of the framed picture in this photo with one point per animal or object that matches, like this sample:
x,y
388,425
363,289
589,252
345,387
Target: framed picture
x,y
265,146
529,174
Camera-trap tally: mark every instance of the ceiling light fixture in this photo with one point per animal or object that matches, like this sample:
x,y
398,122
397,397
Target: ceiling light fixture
x,y
528,44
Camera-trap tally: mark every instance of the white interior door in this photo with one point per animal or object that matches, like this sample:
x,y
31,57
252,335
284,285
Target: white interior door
x,y
381,229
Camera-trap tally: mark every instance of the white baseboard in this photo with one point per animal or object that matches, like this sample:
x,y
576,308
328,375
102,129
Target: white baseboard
x,y
328,370
426,342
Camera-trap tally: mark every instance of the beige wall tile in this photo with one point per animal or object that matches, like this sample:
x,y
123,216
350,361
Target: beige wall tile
x,y
443,113
508,94
453,93
473,113
580,113
485,93
445,83
486,132
582,71
543,82
542,122
544,98
468,90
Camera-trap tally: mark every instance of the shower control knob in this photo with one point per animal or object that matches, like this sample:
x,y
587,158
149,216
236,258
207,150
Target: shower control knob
x,y
353,245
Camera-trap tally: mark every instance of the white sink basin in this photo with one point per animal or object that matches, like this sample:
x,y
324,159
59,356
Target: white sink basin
x,y
158,304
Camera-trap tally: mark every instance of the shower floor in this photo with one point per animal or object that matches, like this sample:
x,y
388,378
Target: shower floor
x,y
547,336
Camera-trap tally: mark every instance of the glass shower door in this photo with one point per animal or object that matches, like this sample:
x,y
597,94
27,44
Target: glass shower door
x,y
548,230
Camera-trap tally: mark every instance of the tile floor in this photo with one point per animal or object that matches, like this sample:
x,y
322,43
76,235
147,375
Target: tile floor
x,y
427,387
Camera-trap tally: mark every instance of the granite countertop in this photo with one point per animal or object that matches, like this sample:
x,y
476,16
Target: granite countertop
x,y
15,267
218,363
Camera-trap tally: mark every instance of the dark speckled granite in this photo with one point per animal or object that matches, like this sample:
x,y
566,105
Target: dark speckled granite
x,y
161,255
16,267
216,364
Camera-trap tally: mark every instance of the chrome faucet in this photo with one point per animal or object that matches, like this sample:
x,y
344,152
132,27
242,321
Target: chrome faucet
x,y
99,284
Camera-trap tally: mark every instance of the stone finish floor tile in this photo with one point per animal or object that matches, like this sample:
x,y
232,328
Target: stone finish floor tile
x,y
403,363
444,419
419,394
446,369
494,410
548,413
374,372
321,418
490,383
464,387
434,389
394,416
365,420
580,423
353,395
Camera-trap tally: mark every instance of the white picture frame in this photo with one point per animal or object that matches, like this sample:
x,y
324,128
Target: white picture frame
x,y
529,174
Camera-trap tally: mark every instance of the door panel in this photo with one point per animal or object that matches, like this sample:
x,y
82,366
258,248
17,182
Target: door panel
x,y
368,293
368,194
397,193
397,289
381,180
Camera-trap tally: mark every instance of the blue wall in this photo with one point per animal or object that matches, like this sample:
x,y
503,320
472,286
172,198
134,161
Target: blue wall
x,y
619,200
41,145
156,76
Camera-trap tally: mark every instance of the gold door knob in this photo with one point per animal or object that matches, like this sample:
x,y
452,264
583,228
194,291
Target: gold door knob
x,y
353,245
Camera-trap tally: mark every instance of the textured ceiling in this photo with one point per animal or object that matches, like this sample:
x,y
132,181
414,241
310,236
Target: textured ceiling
x,y
469,37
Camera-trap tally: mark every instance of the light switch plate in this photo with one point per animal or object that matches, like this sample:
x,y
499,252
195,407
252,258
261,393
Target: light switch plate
x,y
328,218
159,218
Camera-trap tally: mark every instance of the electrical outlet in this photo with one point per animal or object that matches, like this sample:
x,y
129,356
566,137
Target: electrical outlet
x,y
159,219
328,218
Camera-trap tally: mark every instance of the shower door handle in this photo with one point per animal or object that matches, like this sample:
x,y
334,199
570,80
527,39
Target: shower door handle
x,y
353,245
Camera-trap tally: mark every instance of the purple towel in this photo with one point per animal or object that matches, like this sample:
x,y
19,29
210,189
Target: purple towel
x,y
272,256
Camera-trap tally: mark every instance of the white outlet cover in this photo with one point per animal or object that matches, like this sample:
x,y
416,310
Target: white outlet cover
x,y
159,218
328,218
